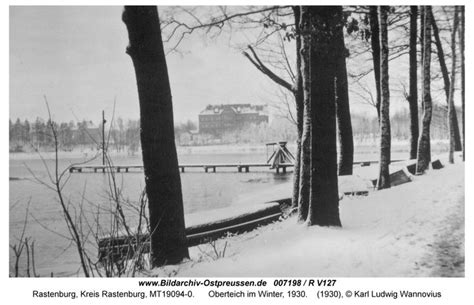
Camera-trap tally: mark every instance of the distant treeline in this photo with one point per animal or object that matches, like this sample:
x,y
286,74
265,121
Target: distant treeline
x,y
27,136
367,128
125,136
120,136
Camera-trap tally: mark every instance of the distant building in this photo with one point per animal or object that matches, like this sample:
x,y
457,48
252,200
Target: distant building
x,y
86,133
215,119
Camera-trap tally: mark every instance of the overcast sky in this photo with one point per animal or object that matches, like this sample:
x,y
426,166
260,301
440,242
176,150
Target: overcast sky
x,y
76,57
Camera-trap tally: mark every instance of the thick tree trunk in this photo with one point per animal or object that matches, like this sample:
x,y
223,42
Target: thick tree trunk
x,y
424,149
447,83
346,141
413,95
422,34
461,42
162,180
385,143
305,161
296,172
324,197
451,109
375,42
299,98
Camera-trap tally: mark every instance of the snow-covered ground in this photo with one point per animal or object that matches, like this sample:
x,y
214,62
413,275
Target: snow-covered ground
x,y
411,230
88,151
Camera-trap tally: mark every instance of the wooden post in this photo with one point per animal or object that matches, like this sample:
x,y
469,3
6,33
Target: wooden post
x,y
103,137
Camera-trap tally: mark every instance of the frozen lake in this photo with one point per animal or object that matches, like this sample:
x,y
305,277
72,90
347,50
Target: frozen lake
x,y
201,192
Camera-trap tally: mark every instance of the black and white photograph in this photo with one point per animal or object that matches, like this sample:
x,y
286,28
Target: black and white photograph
x,y
236,141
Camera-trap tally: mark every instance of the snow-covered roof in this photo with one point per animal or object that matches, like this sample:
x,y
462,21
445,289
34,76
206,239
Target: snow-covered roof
x,y
236,108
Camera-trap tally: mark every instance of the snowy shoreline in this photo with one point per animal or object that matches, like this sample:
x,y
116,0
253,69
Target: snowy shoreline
x,y
84,153
411,230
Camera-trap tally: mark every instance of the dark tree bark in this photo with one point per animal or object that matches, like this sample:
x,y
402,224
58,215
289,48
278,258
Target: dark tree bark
x,y
305,166
413,95
385,143
326,23
162,180
298,93
422,34
447,82
343,114
375,42
451,109
461,42
441,57
424,149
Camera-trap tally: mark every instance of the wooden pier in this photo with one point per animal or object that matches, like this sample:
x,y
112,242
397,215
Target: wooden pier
x,y
240,167
280,159
207,168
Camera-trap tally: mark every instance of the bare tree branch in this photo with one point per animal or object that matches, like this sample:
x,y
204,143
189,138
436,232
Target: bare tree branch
x,y
261,66
179,29
285,57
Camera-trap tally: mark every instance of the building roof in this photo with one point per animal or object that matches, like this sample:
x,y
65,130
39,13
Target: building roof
x,y
236,108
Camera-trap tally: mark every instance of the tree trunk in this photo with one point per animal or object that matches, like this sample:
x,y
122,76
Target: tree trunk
x,y
384,173
162,180
413,95
326,23
299,101
461,42
375,42
451,109
424,149
447,83
305,166
422,35
346,141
